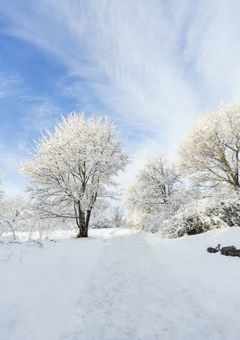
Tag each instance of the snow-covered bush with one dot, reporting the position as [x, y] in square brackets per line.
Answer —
[110, 218]
[187, 222]
[226, 211]
[102, 223]
[203, 214]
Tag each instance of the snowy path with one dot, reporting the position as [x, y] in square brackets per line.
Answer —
[134, 286]
[123, 298]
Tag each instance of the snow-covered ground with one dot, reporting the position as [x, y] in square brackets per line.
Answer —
[119, 285]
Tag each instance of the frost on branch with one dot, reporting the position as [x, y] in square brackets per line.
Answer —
[154, 193]
[200, 214]
[73, 168]
[13, 215]
[210, 151]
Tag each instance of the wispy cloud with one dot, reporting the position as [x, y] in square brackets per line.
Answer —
[41, 115]
[40, 111]
[10, 158]
[10, 85]
[155, 65]
[34, 114]
[126, 50]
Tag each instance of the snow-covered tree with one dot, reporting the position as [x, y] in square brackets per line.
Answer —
[13, 215]
[118, 218]
[210, 150]
[155, 184]
[1, 189]
[111, 217]
[73, 167]
[154, 189]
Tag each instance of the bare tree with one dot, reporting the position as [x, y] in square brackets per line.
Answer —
[13, 214]
[118, 218]
[73, 167]
[210, 150]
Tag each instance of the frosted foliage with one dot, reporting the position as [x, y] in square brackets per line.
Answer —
[13, 215]
[210, 151]
[204, 213]
[154, 195]
[73, 167]
[155, 187]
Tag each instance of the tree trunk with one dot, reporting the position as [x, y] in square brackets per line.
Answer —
[80, 221]
[88, 217]
[12, 229]
[82, 225]
[83, 231]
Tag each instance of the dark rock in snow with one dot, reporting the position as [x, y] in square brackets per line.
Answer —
[214, 250]
[226, 251]
[230, 251]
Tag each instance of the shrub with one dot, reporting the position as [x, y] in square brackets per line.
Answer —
[202, 215]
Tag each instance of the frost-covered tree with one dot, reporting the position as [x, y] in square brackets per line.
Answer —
[111, 217]
[1, 190]
[118, 219]
[210, 150]
[13, 215]
[74, 166]
[154, 188]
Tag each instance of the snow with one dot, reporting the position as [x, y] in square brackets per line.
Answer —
[118, 285]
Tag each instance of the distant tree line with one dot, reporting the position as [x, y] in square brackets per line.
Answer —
[201, 191]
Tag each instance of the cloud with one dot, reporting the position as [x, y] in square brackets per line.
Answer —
[13, 183]
[213, 47]
[41, 115]
[9, 85]
[154, 65]
[35, 115]
[125, 50]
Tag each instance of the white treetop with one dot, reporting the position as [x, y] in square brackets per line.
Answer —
[210, 151]
[73, 167]
[154, 188]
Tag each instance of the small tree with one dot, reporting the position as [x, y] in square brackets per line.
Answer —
[73, 167]
[118, 218]
[154, 188]
[13, 214]
[210, 151]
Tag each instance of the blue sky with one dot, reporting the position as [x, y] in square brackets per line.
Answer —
[152, 65]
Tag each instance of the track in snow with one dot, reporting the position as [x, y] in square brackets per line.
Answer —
[132, 287]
